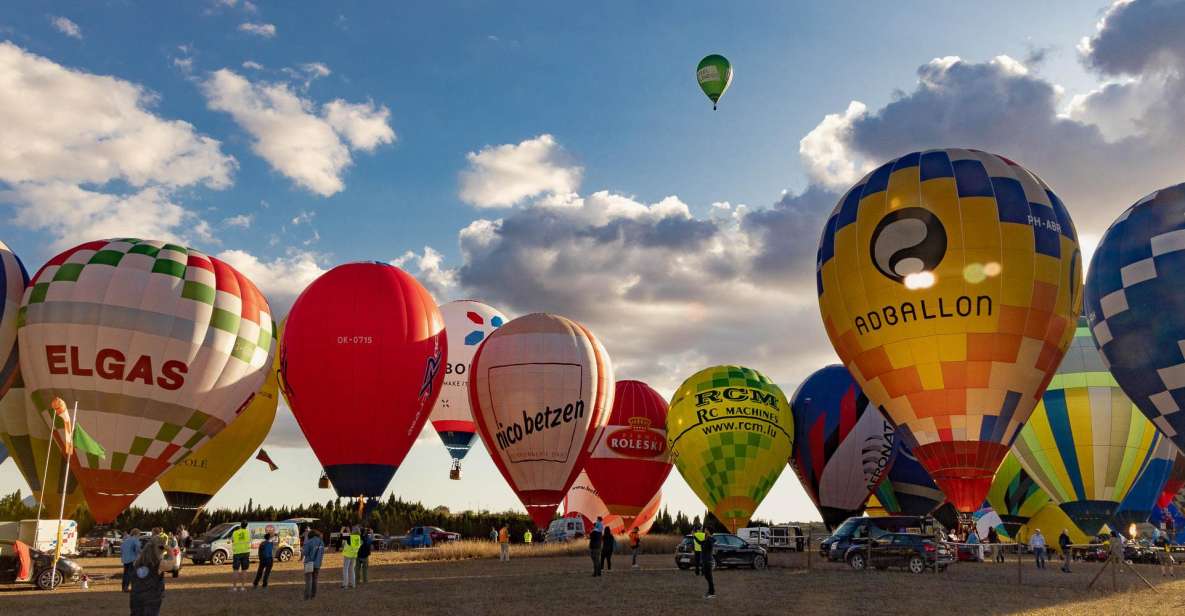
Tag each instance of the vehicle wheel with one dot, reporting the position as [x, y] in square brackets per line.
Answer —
[218, 558]
[285, 555]
[759, 562]
[49, 579]
[917, 565]
[856, 561]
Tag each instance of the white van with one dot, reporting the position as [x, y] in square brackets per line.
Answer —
[564, 530]
[215, 546]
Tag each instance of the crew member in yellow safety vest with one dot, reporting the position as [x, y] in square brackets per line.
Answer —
[240, 541]
[527, 537]
[350, 547]
[697, 539]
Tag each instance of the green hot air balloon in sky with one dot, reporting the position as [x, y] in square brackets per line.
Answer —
[714, 74]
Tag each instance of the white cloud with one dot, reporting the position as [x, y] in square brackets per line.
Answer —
[252, 65]
[239, 221]
[280, 279]
[67, 27]
[506, 175]
[264, 30]
[429, 269]
[303, 218]
[290, 135]
[825, 152]
[307, 73]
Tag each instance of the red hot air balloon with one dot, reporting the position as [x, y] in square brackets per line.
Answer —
[630, 463]
[541, 389]
[362, 360]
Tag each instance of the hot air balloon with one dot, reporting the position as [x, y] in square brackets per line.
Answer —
[1136, 307]
[541, 392]
[730, 431]
[1051, 519]
[1086, 443]
[949, 282]
[583, 501]
[1162, 514]
[874, 509]
[3, 452]
[13, 279]
[362, 361]
[191, 484]
[1175, 481]
[27, 438]
[159, 345]
[630, 463]
[843, 446]
[1014, 495]
[1138, 503]
[714, 75]
[468, 323]
[985, 520]
[908, 489]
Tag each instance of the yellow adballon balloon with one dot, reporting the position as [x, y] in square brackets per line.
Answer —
[730, 433]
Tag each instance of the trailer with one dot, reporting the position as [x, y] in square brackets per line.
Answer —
[781, 537]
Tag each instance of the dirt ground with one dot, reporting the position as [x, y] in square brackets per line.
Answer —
[563, 585]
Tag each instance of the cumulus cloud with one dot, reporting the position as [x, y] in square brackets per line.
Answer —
[292, 136]
[428, 267]
[506, 175]
[67, 27]
[84, 156]
[264, 30]
[280, 279]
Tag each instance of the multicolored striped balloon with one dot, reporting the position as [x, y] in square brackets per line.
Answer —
[13, 279]
[1015, 496]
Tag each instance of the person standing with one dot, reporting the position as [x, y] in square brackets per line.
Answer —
[493, 534]
[1163, 547]
[1037, 544]
[311, 554]
[504, 544]
[240, 541]
[362, 570]
[148, 583]
[1063, 544]
[594, 550]
[706, 544]
[267, 552]
[608, 544]
[527, 537]
[697, 542]
[635, 547]
[993, 539]
[129, 550]
[183, 537]
[350, 545]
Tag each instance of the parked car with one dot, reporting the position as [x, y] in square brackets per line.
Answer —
[857, 530]
[428, 536]
[43, 574]
[913, 551]
[728, 551]
[100, 541]
[215, 545]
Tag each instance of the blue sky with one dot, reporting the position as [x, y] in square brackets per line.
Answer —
[595, 110]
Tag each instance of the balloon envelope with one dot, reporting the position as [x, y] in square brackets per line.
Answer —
[159, 345]
[583, 501]
[468, 323]
[362, 361]
[1014, 495]
[541, 392]
[1175, 481]
[28, 440]
[730, 432]
[714, 75]
[908, 489]
[843, 446]
[1139, 502]
[1051, 520]
[949, 282]
[631, 462]
[13, 279]
[1135, 299]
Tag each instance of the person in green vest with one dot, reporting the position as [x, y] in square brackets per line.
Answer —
[240, 541]
[697, 541]
[527, 537]
[350, 547]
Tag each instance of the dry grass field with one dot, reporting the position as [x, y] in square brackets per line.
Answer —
[556, 580]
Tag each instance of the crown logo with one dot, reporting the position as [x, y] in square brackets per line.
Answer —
[640, 423]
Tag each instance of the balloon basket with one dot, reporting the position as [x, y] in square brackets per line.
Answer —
[454, 473]
[323, 482]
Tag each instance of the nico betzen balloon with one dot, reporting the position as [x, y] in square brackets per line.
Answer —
[159, 345]
[362, 361]
[949, 283]
[468, 323]
[541, 391]
[843, 445]
[13, 279]
[630, 462]
[1135, 300]
[195, 480]
[730, 432]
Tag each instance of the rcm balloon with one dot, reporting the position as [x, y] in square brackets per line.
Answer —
[541, 392]
[13, 279]
[1086, 443]
[1139, 502]
[843, 445]
[191, 484]
[159, 345]
[949, 282]
[731, 432]
[27, 437]
[362, 361]
[468, 323]
[714, 75]
[630, 464]
[1135, 299]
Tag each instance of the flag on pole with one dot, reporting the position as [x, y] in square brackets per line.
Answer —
[263, 457]
[73, 436]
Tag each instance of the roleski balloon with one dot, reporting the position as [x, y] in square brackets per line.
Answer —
[730, 431]
[13, 279]
[541, 392]
[843, 446]
[468, 323]
[714, 75]
[362, 361]
[1086, 442]
[1014, 495]
[195, 480]
[630, 463]
[28, 440]
[908, 489]
[1135, 299]
[1139, 502]
[159, 345]
[949, 282]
